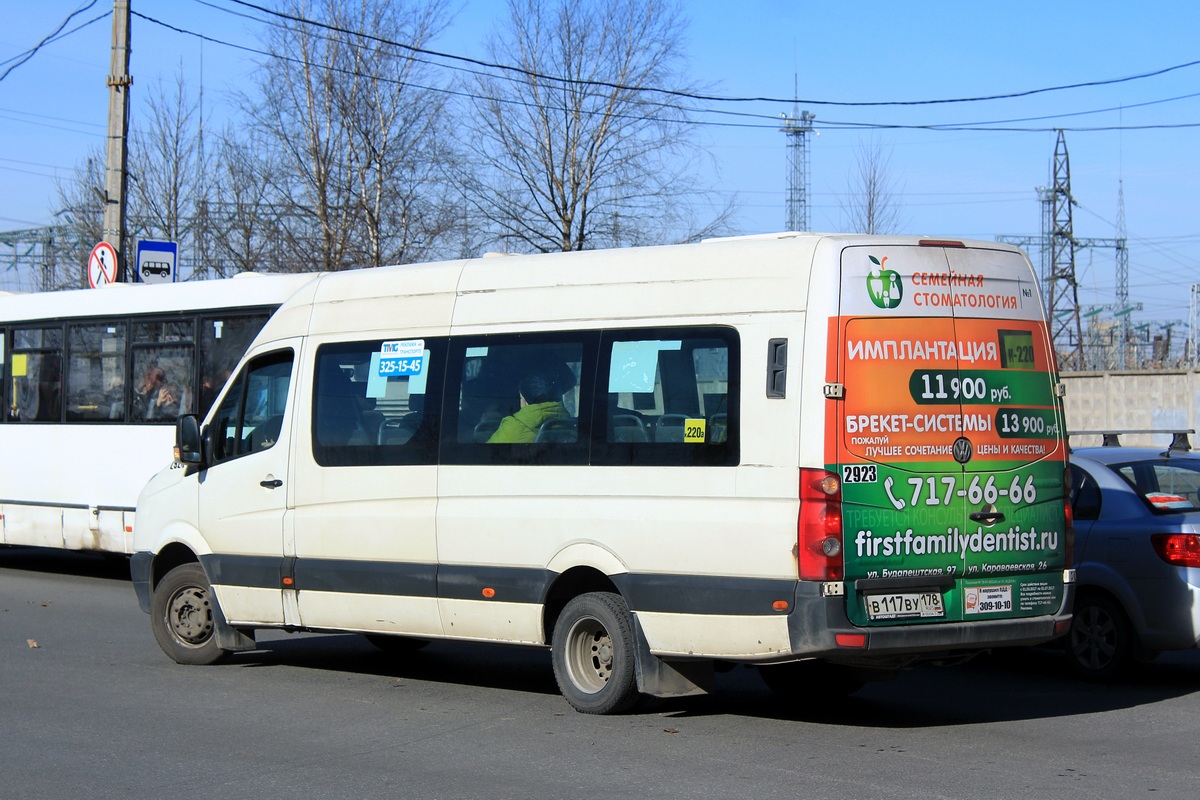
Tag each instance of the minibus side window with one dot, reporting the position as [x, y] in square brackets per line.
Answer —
[377, 402]
[250, 417]
[520, 398]
[669, 397]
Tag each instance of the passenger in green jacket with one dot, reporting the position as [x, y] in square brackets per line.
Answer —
[541, 400]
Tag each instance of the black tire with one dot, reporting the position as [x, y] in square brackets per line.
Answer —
[593, 654]
[183, 617]
[396, 645]
[810, 681]
[1100, 645]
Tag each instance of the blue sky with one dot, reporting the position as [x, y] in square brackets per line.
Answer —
[956, 183]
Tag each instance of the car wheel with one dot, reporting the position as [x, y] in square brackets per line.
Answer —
[592, 653]
[1100, 644]
[182, 616]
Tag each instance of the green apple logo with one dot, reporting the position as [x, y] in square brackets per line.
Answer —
[884, 285]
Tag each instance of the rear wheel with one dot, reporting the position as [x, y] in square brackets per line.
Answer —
[593, 654]
[1100, 644]
[182, 616]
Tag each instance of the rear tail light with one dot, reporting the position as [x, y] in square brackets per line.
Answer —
[1068, 521]
[819, 529]
[1177, 549]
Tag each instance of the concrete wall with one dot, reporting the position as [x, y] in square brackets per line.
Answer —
[1132, 401]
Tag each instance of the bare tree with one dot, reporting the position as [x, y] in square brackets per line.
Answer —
[298, 111]
[241, 214]
[574, 148]
[167, 162]
[398, 139]
[356, 136]
[81, 210]
[871, 205]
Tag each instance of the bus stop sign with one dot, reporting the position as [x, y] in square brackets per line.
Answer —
[156, 261]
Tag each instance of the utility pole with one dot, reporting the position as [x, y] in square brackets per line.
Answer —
[115, 185]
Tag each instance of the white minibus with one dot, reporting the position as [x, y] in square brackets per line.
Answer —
[830, 456]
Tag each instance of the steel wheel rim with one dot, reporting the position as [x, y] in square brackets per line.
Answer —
[1093, 638]
[589, 655]
[189, 615]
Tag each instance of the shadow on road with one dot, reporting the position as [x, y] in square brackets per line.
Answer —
[111, 566]
[1004, 686]
[492, 666]
[1008, 685]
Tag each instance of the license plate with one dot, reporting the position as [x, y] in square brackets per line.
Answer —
[905, 605]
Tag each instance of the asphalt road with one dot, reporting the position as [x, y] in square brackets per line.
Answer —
[91, 708]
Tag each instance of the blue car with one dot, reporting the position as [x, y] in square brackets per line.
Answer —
[1137, 555]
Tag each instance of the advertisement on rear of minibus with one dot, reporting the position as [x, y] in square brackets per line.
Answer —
[948, 440]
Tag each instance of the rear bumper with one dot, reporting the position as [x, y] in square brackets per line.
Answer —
[819, 628]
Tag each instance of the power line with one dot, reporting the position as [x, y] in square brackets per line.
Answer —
[21, 58]
[770, 122]
[716, 98]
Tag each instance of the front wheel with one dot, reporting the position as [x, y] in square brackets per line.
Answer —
[593, 654]
[182, 616]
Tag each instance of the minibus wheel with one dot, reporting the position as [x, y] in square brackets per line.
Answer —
[593, 654]
[182, 616]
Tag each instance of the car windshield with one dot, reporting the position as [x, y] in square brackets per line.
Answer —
[1167, 486]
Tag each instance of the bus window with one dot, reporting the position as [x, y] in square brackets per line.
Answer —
[96, 372]
[163, 370]
[223, 340]
[36, 372]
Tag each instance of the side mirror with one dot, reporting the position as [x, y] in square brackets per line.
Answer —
[189, 448]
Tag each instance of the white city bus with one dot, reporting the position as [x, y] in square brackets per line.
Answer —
[92, 383]
[830, 456]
